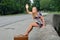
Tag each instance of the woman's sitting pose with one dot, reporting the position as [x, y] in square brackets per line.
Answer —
[37, 17]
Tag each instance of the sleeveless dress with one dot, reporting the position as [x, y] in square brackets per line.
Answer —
[38, 20]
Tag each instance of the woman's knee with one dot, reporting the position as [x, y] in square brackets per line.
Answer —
[33, 24]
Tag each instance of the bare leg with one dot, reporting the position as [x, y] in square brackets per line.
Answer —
[30, 28]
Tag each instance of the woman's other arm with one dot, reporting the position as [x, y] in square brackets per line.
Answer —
[43, 21]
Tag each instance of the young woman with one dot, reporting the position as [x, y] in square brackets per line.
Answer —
[38, 18]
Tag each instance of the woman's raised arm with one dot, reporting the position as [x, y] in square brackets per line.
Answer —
[27, 6]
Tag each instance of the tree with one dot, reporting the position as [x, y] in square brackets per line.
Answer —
[50, 5]
[56, 4]
[36, 3]
[45, 4]
[23, 3]
[12, 6]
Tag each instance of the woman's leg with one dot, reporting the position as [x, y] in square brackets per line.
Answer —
[34, 24]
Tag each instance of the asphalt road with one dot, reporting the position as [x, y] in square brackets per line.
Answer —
[7, 20]
[15, 25]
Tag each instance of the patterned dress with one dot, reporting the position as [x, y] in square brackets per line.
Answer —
[38, 20]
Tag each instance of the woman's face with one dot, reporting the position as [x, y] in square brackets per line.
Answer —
[34, 10]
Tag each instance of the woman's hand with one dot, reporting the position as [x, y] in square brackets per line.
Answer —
[43, 21]
[27, 6]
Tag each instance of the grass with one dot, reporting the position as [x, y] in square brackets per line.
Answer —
[14, 14]
[54, 12]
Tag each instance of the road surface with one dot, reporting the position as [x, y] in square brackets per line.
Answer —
[15, 25]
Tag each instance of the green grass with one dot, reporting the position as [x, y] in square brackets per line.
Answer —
[14, 14]
[54, 12]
